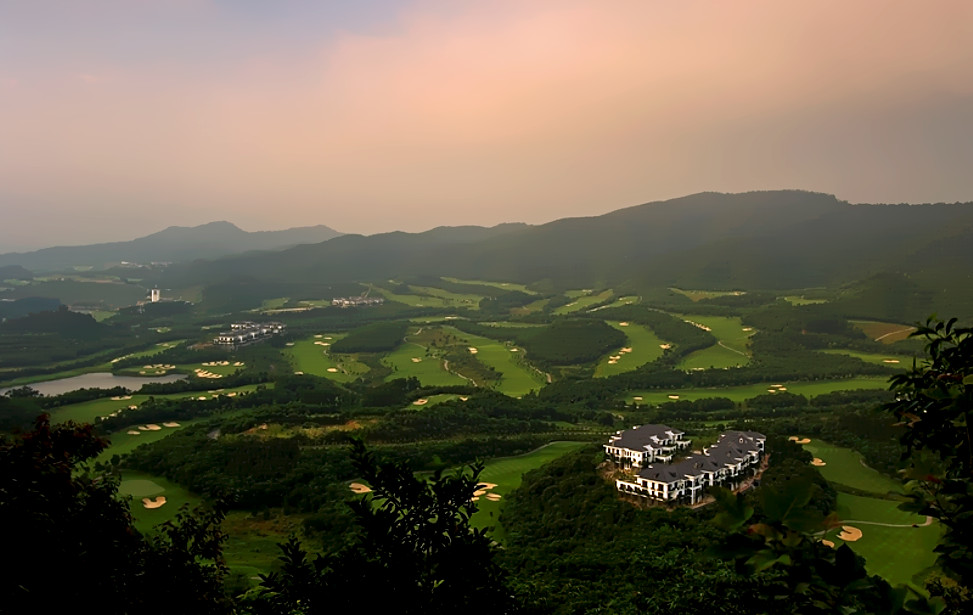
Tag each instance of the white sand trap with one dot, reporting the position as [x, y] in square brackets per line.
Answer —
[817, 461]
[828, 543]
[473, 350]
[637, 398]
[474, 498]
[150, 503]
[665, 346]
[462, 398]
[771, 390]
[480, 492]
[201, 398]
[804, 441]
[133, 432]
[360, 488]
[319, 336]
[153, 427]
[615, 357]
[328, 337]
[333, 370]
[416, 360]
[144, 428]
[141, 372]
[776, 386]
[850, 533]
[231, 394]
[890, 360]
[673, 397]
[612, 362]
[626, 350]
[487, 486]
[170, 424]
[289, 344]
[782, 389]
[238, 364]
[493, 497]
[623, 324]
[515, 350]
[793, 438]
[420, 402]
[130, 408]
[298, 373]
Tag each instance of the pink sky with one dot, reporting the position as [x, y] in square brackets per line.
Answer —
[120, 118]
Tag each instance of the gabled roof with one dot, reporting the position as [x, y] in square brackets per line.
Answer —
[644, 436]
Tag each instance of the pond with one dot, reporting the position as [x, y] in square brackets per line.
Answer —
[97, 380]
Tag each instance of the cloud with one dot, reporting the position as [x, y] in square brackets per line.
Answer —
[484, 112]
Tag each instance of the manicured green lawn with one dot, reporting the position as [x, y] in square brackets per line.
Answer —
[887, 360]
[89, 411]
[312, 356]
[844, 466]
[517, 379]
[802, 300]
[885, 332]
[414, 300]
[645, 345]
[582, 301]
[464, 300]
[503, 285]
[740, 393]
[732, 347]
[428, 369]
[507, 473]
[140, 485]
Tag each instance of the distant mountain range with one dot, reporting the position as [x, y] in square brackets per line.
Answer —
[769, 240]
[174, 244]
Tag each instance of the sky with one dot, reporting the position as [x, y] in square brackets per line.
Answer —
[119, 118]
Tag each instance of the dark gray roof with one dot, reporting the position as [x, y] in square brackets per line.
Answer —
[644, 435]
[732, 447]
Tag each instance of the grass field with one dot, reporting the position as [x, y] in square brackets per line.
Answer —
[696, 295]
[645, 345]
[582, 301]
[740, 393]
[885, 332]
[620, 302]
[845, 466]
[897, 554]
[89, 411]
[888, 360]
[312, 357]
[802, 300]
[507, 473]
[503, 285]
[517, 379]
[413, 300]
[731, 349]
[466, 300]
[429, 369]
[140, 485]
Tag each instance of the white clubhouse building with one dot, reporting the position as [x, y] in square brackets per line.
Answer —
[649, 449]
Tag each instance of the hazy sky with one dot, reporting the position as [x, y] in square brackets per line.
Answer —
[121, 117]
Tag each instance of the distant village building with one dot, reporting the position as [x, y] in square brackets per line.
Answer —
[247, 332]
[155, 295]
[650, 448]
[357, 301]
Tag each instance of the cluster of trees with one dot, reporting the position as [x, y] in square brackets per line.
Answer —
[376, 337]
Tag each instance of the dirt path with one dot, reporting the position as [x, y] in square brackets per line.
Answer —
[742, 354]
[925, 523]
[881, 337]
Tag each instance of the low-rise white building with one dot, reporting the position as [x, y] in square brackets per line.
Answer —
[645, 444]
[247, 332]
[726, 463]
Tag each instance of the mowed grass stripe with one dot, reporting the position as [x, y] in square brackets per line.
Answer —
[845, 466]
[583, 302]
[507, 473]
[516, 378]
[731, 350]
[429, 369]
[743, 392]
[645, 345]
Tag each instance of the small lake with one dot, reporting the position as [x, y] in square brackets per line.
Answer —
[97, 380]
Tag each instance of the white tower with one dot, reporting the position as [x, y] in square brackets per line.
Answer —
[155, 295]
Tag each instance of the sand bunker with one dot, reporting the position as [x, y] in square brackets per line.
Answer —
[416, 360]
[152, 427]
[625, 350]
[623, 324]
[231, 394]
[150, 503]
[493, 497]
[319, 336]
[360, 488]
[462, 398]
[289, 344]
[328, 337]
[480, 492]
[828, 543]
[673, 397]
[793, 438]
[333, 370]
[804, 441]
[890, 360]
[170, 424]
[817, 461]
[420, 402]
[515, 350]
[612, 361]
[850, 533]
[665, 346]
[487, 486]
[121, 397]
[298, 373]
[637, 398]
[473, 350]
[133, 432]
[748, 328]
